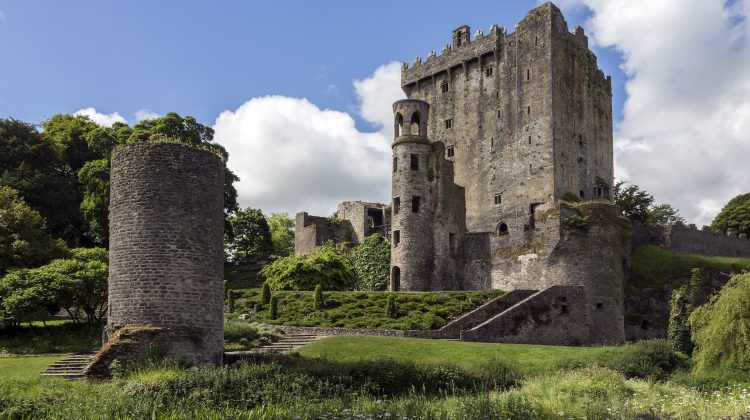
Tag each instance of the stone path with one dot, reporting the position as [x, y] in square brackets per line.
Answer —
[71, 367]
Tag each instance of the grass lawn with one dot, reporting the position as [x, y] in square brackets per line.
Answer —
[415, 310]
[655, 265]
[25, 367]
[529, 359]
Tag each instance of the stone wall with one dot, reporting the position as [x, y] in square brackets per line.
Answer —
[556, 315]
[682, 239]
[166, 245]
[311, 232]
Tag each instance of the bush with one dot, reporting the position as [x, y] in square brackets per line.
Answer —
[326, 267]
[265, 294]
[648, 359]
[273, 311]
[230, 300]
[571, 198]
[721, 328]
[390, 306]
[678, 332]
[577, 222]
[247, 335]
[318, 301]
[372, 261]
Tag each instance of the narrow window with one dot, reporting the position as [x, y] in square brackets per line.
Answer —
[528, 75]
[396, 237]
[396, 277]
[396, 204]
[488, 71]
[564, 310]
[395, 164]
[450, 151]
[492, 142]
[498, 199]
[449, 123]
[415, 203]
[444, 87]
[599, 305]
[499, 114]
[414, 164]
[529, 167]
[536, 41]
[599, 191]
[580, 193]
[528, 110]
[529, 139]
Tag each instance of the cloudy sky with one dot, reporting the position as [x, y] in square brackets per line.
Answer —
[300, 92]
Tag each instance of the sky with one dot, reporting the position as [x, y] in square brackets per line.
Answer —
[300, 92]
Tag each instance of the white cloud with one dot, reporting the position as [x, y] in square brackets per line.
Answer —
[99, 118]
[145, 114]
[293, 156]
[685, 135]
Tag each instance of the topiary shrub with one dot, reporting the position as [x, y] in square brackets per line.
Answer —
[318, 301]
[273, 312]
[265, 294]
[327, 267]
[721, 328]
[230, 300]
[390, 306]
[372, 261]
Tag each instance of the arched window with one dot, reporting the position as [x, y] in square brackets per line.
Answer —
[396, 279]
[502, 229]
[399, 129]
[415, 124]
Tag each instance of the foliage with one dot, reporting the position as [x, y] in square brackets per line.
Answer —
[273, 311]
[230, 300]
[244, 275]
[571, 198]
[251, 240]
[649, 359]
[326, 267]
[678, 332]
[390, 307]
[23, 240]
[318, 301]
[577, 222]
[721, 328]
[429, 310]
[94, 180]
[734, 216]
[241, 335]
[371, 260]
[265, 294]
[282, 233]
[226, 289]
[55, 337]
[640, 206]
[25, 297]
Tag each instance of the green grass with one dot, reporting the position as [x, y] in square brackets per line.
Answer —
[423, 311]
[530, 359]
[655, 265]
[24, 368]
[65, 337]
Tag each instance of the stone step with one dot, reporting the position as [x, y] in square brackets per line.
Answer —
[72, 367]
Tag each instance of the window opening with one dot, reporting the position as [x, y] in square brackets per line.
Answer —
[502, 229]
[498, 199]
[415, 203]
[396, 278]
[450, 151]
[396, 237]
[444, 87]
[414, 164]
[449, 123]
[396, 204]
[395, 164]
[488, 71]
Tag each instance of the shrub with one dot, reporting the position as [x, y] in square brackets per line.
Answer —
[648, 359]
[273, 311]
[577, 222]
[721, 328]
[230, 300]
[318, 301]
[326, 267]
[390, 306]
[571, 198]
[678, 332]
[265, 294]
[372, 261]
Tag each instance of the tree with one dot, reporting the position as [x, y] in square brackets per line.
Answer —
[721, 328]
[372, 262]
[326, 267]
[632, 201]
[251, 239]
[282, 233]
[94, 180]
[318, 301]
[265, 295]
[735, 216]
[33, 165]
[23, 241]
[663, 215]
[25, 297]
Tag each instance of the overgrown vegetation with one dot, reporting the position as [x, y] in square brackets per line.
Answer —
[656, 265]
[326, 267]
[242, 335]
[371, 261]
[429, 310]
[735, 216]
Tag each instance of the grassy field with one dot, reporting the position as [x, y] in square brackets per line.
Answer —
[415, 310]
[25, 368]
[654, 265]
[62, 337]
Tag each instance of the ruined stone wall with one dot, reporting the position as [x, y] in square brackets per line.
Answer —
[682, 239]
[311, 232]
[358, 215]
[166, 246]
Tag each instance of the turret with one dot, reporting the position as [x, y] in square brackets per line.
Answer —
[412, 239]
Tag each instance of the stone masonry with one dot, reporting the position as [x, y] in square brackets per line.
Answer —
[166, 248]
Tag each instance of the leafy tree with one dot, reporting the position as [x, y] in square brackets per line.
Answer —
[663, 215]
[70, 134]
[632, 201]
[372, 261]
[23, 241]
[34, 166]
[79, 283]
[25, 296]
[325, 267]
[251, 236]
[735, 216]
[721, 328]
[94, 180]
[282, 233]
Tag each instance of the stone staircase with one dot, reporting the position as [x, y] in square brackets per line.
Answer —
[71, 367]
[288, 344]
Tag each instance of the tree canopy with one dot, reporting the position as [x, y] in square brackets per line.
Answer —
[250, 239]
[282, 233]
[639, 205]
[735, 216]
[326, 267]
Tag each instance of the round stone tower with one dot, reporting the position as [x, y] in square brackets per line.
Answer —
[166, 249]
[412, 214]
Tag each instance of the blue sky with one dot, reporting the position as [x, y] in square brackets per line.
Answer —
[200, 58]
[300, 92]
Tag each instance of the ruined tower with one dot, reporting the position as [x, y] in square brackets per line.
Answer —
[166, 251]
